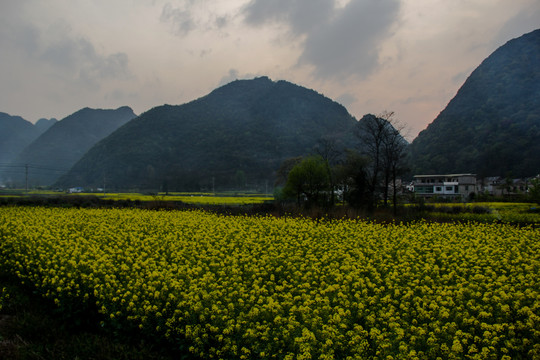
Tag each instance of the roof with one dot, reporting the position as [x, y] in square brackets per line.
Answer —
[443, 175]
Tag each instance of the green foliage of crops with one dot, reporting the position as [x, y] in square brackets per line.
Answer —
[284, 288]
[522, 213]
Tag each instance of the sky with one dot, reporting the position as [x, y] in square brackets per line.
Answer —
[372, 56]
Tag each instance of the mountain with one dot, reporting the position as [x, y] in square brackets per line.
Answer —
[15, 134]
[492, 125]
[44, 124]
[66, 141]
[239, 133]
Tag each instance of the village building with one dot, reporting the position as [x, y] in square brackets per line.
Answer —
[500, 186]
[450, 186]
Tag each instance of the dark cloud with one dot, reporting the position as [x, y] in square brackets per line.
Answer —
[349, 44]
[63, 55]
[77, 60]
[180, 18]
[301, 15]
[339, 41]
[16, 34]
[221, 21]
[187, 17]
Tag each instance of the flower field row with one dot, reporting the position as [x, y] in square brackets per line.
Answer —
[520, 213]
[188, 198]
[195, 198]
[283, 288]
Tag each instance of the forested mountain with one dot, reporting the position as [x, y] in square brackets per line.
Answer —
[15, 134]
[66, 141]
[239, 133]
[492, 125]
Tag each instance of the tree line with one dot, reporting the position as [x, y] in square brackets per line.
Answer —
[362, 177]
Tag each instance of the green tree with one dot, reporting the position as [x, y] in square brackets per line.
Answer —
[534, 190]
[308, 181]
[285, 169]
[353, 179]
[327, 148]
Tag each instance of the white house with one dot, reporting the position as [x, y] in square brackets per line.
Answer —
[445, 186]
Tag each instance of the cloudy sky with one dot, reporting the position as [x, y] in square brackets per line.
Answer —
[406, 56]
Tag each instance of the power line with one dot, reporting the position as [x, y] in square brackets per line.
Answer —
[31, 166]
[15, 169]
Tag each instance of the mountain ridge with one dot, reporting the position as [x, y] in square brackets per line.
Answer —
[492, 125]
[63, 143]
[15, 134]
[244, 129]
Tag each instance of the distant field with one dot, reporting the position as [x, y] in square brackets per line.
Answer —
[189, 198]
[196, 198]
[484, 212]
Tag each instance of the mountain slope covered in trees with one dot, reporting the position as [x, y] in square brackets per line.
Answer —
[239, 133]
[66, 141]
[492, 126]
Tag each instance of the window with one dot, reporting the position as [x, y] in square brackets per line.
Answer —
[438, 188]
[424, 189]
[449, 188]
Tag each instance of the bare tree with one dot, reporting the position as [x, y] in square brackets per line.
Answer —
[395, 147]
[371, 131]
[383, 144]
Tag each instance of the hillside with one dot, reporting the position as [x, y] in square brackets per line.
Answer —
[15, 134]
[492, 126]
[239, 133]
[66, 141]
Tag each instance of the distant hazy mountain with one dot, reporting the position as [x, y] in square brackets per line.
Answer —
[238, 133]
[15, 134]
[66, 141]
[492, 125]
[44, 124]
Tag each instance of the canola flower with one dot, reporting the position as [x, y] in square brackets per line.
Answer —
[4, 297]
[284, 288]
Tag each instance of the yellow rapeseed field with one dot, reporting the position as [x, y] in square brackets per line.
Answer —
[283, 288]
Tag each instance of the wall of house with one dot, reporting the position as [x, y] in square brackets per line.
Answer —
[445, 185]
